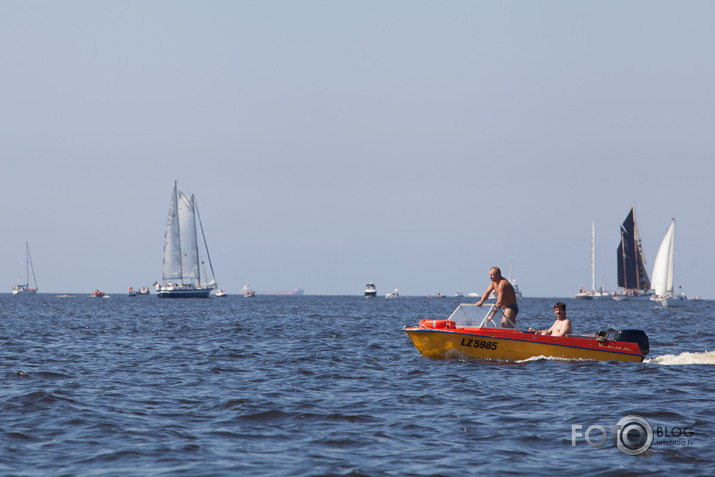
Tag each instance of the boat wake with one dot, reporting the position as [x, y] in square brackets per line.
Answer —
[707, 357]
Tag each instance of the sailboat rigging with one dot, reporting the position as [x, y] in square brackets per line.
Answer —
[25, 288]
[182, 266]
[633, 278]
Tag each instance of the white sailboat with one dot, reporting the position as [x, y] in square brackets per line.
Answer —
[588, 294]
[592, 293]
[182, 273]
[663, 269]
[25, 288]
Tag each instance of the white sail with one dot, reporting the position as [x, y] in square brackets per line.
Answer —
[181, 269]
[662, 280]
[171, 268]
[187, 236]
[593, 261]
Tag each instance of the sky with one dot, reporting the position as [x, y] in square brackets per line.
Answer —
[413, 144]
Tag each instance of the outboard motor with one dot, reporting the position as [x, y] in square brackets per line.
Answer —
[634, 336]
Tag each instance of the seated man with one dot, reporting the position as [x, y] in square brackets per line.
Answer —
[562, 325]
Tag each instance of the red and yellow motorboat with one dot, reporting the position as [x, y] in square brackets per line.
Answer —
[463, 335]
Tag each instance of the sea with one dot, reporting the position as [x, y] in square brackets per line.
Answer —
[332, 386]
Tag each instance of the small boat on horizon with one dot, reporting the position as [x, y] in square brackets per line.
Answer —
[221, 294]
[370, 290]
[393, 294]
[247, 291]
[464, 335]
[131, 292]
[98, 294]
[25, 288]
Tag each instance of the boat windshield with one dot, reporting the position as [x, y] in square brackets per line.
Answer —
[471, 315]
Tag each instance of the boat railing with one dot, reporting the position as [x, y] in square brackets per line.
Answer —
[470, 315]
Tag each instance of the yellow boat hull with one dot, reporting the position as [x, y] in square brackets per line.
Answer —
[480, 343]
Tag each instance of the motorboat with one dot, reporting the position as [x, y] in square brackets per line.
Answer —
[247, 291]
[370, 290]
[393, 294]
[221, 294]
[465, 335]
[131, 292]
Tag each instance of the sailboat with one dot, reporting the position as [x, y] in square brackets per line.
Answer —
[588, 294]
[25, 288]
[592, 293]
[182, 275]
[633, 281]
[663, 272]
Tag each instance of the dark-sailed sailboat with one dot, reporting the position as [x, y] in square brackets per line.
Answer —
[633, 281]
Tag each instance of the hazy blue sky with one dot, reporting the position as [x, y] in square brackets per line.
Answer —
[331, 143]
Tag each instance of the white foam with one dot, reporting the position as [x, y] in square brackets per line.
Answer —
[707, 357]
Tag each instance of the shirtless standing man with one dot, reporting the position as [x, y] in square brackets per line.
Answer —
[562, 325]
[506, 297]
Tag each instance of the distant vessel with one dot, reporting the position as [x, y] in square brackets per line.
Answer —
[370, 290]
[517, 292]
[98, 294]
[297, 291]
[663, 272]
[143, 291]
[633, 278]
[25, 288]
[181, 272]
[393, 294]
[247, 292]
[221, 294]
[591, 293]
[131, 292]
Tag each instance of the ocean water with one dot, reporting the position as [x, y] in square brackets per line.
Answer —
[332, 385]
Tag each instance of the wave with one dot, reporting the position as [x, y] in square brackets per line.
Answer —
[707, 357]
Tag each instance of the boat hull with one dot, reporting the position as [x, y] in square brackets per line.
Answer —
[673, 302]
[513, 345]
[184, 293]
[24, 291]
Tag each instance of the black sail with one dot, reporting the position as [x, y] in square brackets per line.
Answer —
[632, 274]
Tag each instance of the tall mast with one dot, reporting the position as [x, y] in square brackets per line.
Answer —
[27, 262]
[593, 271]
[196, 238]
[636, 249]
[178, 226]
